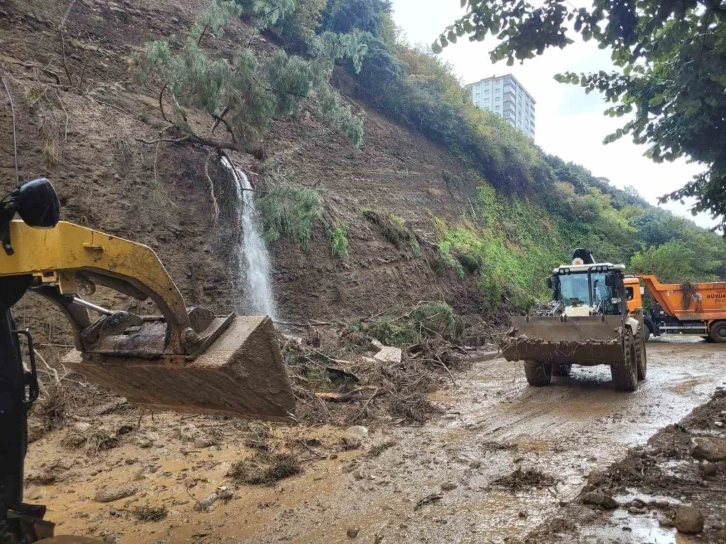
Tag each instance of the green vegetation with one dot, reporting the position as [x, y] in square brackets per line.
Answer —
[508, 241]
[531, 209]
[670, 81]
[338, 236]
[426, 320]
[674, 262]
[290, 209]
[513, 244]
[392, 227]
[244, 95]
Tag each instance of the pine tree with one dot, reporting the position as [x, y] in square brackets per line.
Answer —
[244, 95]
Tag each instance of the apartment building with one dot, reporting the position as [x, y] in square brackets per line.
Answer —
[505, 96]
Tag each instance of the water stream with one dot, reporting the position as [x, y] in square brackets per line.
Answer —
[253, 280]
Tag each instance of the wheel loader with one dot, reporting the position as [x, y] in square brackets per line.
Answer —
[182, 359]
[587, 323]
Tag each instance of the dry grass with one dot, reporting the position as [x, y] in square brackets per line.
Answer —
[92, 440]
[265, 468]
[53, 406]
[150, 513]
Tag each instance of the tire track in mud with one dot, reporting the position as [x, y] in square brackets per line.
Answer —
[494, 422]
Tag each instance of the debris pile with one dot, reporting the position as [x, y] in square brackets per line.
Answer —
[379, 368]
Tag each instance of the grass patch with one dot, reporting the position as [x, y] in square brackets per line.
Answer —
[338, 236]
[392, 227]
[291, 210]
[265, 468]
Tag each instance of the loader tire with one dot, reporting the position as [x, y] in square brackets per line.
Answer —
[563, 370]
[641, 358]
[538, 373]
[625, 374]
[718, 331]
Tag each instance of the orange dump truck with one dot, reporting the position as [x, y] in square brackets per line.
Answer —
[701, 312]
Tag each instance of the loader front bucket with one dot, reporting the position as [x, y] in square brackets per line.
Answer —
[587, 340]
[240, 372]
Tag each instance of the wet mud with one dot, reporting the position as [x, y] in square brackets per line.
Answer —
[445, 481]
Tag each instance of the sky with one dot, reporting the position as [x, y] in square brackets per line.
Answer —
[568, 122]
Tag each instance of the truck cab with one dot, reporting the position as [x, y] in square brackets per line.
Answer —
[634, 292]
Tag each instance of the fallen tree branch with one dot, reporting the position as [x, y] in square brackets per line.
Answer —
[448, 370]
[215, 206]
[65, 64]
[350, 395]
[365, 406]
[303, 325]
[161, 104]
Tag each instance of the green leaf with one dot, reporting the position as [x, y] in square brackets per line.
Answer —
[657, 100]
[719, 78]
[436, 47]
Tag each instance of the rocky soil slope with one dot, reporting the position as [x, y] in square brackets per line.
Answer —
[82, 121]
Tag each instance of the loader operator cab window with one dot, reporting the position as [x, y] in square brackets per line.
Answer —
[574, 290]
[602, 295]
[587, 289]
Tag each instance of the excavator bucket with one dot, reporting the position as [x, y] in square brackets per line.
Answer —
[238, 370]
[585, 340]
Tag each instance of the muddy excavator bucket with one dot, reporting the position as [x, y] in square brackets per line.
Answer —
[237, 371]
[586, 340]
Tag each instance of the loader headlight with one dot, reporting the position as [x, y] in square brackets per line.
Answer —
[37, 203]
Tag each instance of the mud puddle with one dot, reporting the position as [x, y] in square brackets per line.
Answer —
[501, 460]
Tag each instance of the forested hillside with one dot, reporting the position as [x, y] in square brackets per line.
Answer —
[526, 209]
[378, 183]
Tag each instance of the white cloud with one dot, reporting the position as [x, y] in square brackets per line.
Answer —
[569, 123]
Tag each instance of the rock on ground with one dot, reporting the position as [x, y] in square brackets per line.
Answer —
[600, 499]
[389, 355]
[709, 449]
[113, 493]
[689, 520]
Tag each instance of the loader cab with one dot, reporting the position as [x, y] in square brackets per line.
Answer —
[589, 289]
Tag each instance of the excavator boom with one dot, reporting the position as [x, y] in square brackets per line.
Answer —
[183, 360]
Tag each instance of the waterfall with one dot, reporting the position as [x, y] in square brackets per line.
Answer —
[253, 260]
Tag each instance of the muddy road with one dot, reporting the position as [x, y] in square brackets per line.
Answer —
[500, 460]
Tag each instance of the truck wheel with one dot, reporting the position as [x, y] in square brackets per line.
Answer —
[647, 332]
[625, 374]
[641, 358]
[563, 370]
[538, 373]
[718, 331]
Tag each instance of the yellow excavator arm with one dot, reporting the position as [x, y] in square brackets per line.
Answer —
[189, 360]
[69, 255]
